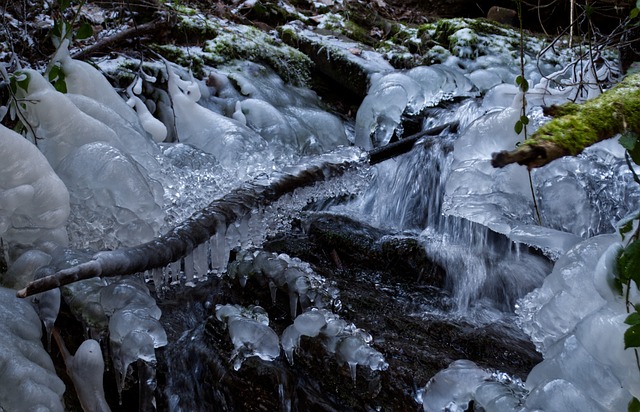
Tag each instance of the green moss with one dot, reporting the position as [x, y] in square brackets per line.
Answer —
[181, 57]
[254, 45]
[610, 113]
[358, 33]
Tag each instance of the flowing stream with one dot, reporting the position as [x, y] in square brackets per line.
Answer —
[346, 294]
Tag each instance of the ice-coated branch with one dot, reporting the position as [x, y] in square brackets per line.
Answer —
[579, 126]
[404, 145]
[182, 239]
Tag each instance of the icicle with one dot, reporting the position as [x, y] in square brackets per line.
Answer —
[189, 270]
[158, 276]
[219, 249]
[243, 230]
[201, 260]
[175, 272]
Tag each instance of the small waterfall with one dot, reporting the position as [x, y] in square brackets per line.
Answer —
[484, 268]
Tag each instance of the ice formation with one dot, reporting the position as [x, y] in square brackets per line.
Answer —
[124, 310]
[235, 146]
[82, 78]
[104, 181]
[29, 381]
[134, 327]
[250, 333]
[290, 118]
[150, 124]
[34, 202]
[86, 369]
[576, 319]
[317, 297]
[281, 272]
[394, 95]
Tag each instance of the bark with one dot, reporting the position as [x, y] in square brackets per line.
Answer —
[580, 126]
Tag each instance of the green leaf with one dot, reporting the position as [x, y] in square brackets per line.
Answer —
[634, 405]
[525, 85]
[54, 73]
[628, 140]
[519, 80]
[633, 319]
[22, 80]
[518, 127]
[632, 337]
[60, 85]
[625, 225]
[64, 4]
[524, 120]
[629, 263]
[84, 31]
[633, 14]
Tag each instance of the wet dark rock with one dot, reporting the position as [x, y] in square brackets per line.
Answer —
[382, 291]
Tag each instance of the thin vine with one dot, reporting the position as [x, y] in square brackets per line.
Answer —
[523, 121]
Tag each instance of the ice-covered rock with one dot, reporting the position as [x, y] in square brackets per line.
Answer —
[34, 202]
[104, 181]
[29, 381]
[576, 319]
[150, 124]
[83, 78]
[290, 118]
[396, 94]
[235, 146]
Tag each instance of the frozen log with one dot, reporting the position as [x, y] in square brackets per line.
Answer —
[184, 238]
[579, 126]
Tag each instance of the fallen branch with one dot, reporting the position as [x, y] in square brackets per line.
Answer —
[182, 239]
[126, 35]
[404, 145]
[579, 126]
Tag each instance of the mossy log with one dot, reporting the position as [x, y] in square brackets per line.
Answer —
[579, 126]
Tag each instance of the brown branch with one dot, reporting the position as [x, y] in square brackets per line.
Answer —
[106, 43]
[184, 238]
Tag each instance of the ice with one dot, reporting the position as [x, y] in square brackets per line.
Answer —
[102, 178]
[86, 369]
[34, 202]
[252, 338]
[133, 335]
[128, 293]
[561, 395]
[150, 124]
[567, 295]
[235, 146]
[250, 333]
[83, 78]
[453, 388]
[47, 305]
[309, 323]
[267, 121]
[28, 377]
[290, 118]
[572, 359]
[22, 270]
[104, 182]
[393, 95]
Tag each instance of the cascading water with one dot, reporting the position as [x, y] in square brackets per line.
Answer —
[475, 222]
